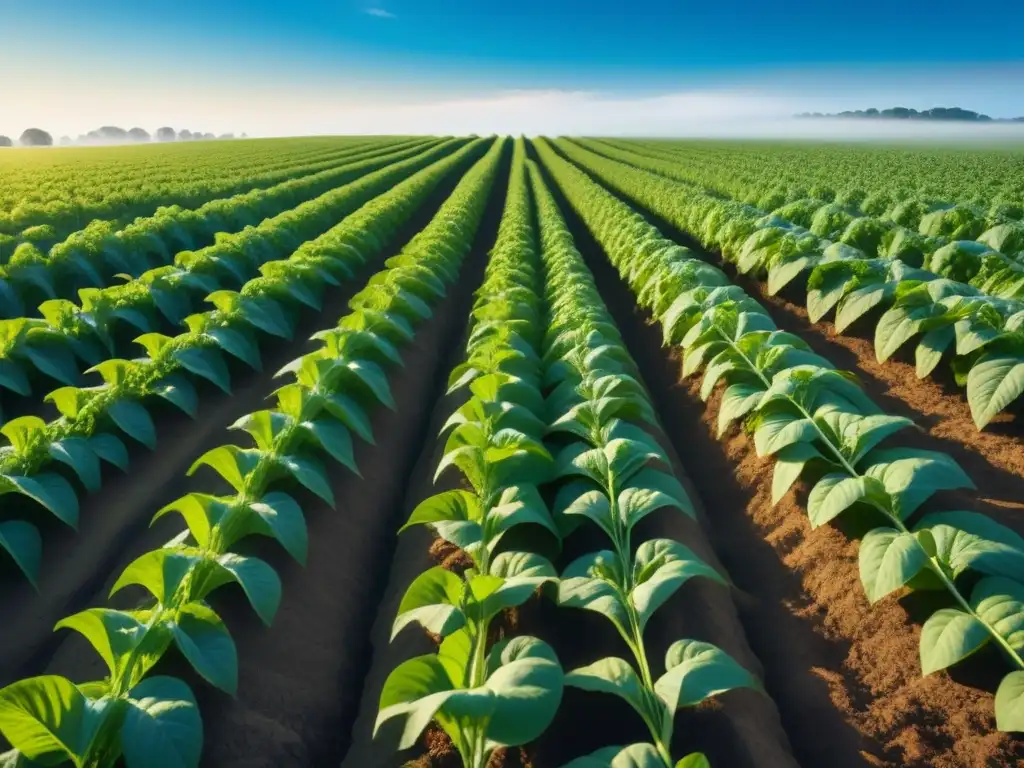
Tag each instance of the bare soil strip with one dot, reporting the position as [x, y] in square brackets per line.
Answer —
[79, 567]
[845, 675]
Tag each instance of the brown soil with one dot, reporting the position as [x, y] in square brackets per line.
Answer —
[845, 675]
[299, 679]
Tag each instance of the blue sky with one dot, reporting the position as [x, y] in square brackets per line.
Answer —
[206, 59]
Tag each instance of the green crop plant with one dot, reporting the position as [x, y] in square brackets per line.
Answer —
[506, 694]
[962, 291]
[51, 720]
[818, 424]
[613, 474]
[69, 333]
[80, 438]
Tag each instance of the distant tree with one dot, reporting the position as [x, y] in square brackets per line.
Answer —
[165, 134]
[110, 133]
[138, 134]
[185, 135]
[5, 141]
[245, 135]
[65, 141]
[208, 137]
[225, 136]
[36, 137]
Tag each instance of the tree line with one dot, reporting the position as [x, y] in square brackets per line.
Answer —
[111, 134]
[905, 113]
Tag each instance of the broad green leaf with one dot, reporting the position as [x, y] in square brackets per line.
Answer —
[282, 519]
[526, 680]
[179, 391]
[114, 634]
[993, 383]
[258, 580]
[132, 419]
[207, 363]
[661, 567]
[789, 464]
[334, 438]
[949, 636]
[1010, 702]
[972, 540]
[110, 449]
[911, 476]
[310, 473]
[22, 541]
[203, 639]
[929, 350]
[49, 489]
[999, 602]
[160, 571]
[76, 453]
[434, 600]
[230, 462]
[695, 671]
[633, 756]
[162, 726]
[47, 719]
[23, 431]
[835, 493]
[780, 429]
[417, 688]
[610, 675]
[888, 560]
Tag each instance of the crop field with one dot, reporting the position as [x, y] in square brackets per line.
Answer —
[505, 453]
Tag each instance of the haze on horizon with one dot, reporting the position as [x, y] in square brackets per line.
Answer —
[458, 66]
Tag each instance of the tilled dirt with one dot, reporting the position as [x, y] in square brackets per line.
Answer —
[844, 674]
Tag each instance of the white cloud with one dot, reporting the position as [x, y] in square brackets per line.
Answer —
[380, 13]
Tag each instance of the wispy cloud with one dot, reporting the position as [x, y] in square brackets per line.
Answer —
[380, 13]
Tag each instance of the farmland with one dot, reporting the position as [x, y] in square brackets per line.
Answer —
[447, 451]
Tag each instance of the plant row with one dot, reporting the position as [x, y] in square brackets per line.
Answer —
[963, 300]
[903, 183]
[92, 418]
[93, 255]
[44, 202]
[153, 720]
[820, 426]
[485, 694]
[611, 471]
[165, 296]
[553, 409]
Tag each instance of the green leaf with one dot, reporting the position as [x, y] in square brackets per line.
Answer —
[789, 464]
[334, 438]
[949, 636]
[203, 639]
[888, 560]
[999, 602]
[434, 601]
[779, 429]
[633, 756]
[911, 476]
[282, 519]
[970, 540]
[50, 490]
[162, 726]
[696, 671]
[694, 760]
[133, 420]
[610, 675]
[526, 680]
[993, 383]
[23, 543]
[310, 473]
[238, 344]
[351, 414]
[835, 493]
[47, 719]
[929, 350]
[110, 449]
[258, 580]
[76, 453]
[179, 391]
[230, 462]
[661, 567]
[23, 431]
[160, 571]
[114, 634]
[1010, 702]
[207, 363]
